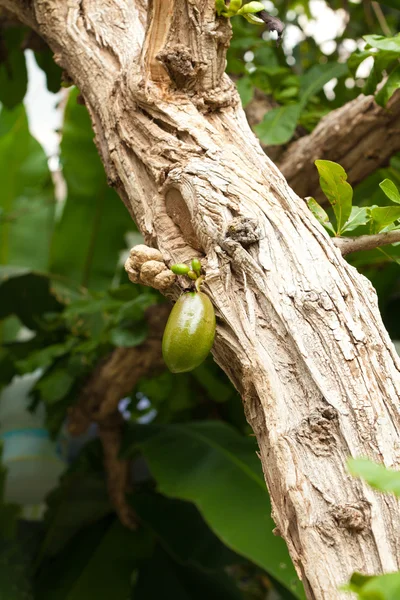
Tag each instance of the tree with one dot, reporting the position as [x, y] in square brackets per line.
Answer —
[299, 331]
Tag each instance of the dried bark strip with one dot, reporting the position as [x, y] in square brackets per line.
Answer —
[299, 330]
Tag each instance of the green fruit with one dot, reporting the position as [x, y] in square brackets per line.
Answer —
[189, 333]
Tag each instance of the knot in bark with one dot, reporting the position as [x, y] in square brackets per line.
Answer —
[146, 265]
[243, 230]
[318, 430]
[182, 68]
[355, 517]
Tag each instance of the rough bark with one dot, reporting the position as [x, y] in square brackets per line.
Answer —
[299, 330]
[361, 136]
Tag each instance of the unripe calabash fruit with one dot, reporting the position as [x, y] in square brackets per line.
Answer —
[189, 333]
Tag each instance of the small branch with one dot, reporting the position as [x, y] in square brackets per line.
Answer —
[347, 245]
[272, 23]
[381, 18]
[118, 471]
[24, 11]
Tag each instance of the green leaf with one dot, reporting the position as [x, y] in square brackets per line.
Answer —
[54, 385]
[13, 73]
[125, 292]
[357, 58]
[377, 476]
[390, 44]
[385, 52]
[392, 3]
[288, 93]
[382, 216]
[278, 125]
[91, 305]
[169, 394]
[374, 78]
[245, 89]
[319, 75]
[93, 215]
[161, 573]
[251, 8]
[80, 500]
[9, 513]
[320, 214]
[7, 367]
[45, 60]
[210, 379]
[391, 85]
[27, 198]
[135, 309]
[252, 19]
[26, 295]
[182, 531]
[97, 563]
[211, 465]
[128, 336]
[220, 6]
[14, 572]
[42, 359]
[234, 5]
[14, 584]
[391, 191]
[380, 587]
[333, 182]
[359, 216]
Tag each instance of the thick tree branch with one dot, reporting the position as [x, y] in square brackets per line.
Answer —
[299, 331]
[22, 9]
[361, 136]
[347, 245]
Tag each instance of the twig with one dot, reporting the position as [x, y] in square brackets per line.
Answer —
[347, 245]
[273, 23]
[381, 18]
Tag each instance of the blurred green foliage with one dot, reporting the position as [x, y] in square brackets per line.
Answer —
[66, 303]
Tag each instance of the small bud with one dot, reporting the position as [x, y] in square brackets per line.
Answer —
[180, 269]
[192, 275]
[196, 266]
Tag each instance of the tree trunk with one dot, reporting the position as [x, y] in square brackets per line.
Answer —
[299, 331]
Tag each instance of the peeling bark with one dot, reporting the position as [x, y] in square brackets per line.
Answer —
[299, 330]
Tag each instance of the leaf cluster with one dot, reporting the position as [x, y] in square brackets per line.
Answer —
[349, 218]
